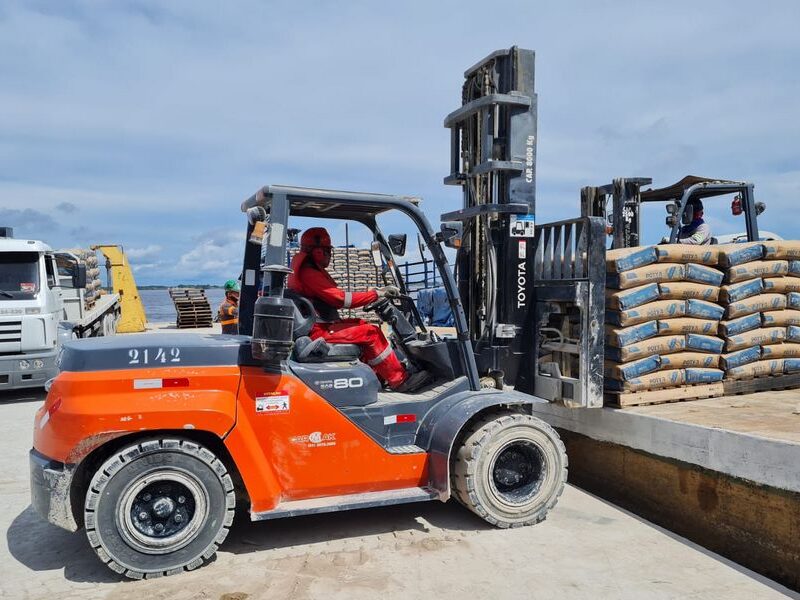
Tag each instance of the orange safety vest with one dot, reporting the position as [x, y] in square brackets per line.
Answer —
[228, 313]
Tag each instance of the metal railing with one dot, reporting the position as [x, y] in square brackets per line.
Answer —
[420, 275]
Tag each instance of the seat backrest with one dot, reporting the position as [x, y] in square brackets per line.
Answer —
[304, 314]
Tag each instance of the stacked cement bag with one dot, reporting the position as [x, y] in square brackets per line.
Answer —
[94, 286]
[756, 296]
[662, 317]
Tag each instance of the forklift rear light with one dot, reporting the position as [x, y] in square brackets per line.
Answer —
[176, 382]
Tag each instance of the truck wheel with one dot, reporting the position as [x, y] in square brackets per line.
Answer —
[510, 469]
[108, 326]
[159, 507]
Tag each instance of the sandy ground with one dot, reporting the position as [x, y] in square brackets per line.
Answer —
[586, 549]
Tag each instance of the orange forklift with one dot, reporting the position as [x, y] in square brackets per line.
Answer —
[152, 441]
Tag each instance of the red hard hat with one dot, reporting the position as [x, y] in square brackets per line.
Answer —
[315, 237]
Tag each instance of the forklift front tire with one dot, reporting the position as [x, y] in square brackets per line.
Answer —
[510, 469]
[159, 507]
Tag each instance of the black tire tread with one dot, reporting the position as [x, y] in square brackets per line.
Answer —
[474, 438]
[116, 461]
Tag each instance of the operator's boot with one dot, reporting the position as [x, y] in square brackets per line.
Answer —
[414, 381]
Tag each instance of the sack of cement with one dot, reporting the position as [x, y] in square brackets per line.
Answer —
[651, 311]
[740, 325]
[793, 333]
[695, 375]
[791, 365]
[683, 360]
[683, 290]
[731, 255]
[732, 360]
[704, 310]
[703, 274]
[625, 299]
[794, 268]
[652, 381]
[780, 318]
[759, 268]
[756, 369]
[649, 274]
[625, 259]
[687, 325]
[660, 345]
[781, 351]
[757, 337]
[760, 303]
[793, 300]
[782, 285]
[782, 250]
[733, 292]
[704, 343]
[630, 370]
[686, 253]
[620, 337]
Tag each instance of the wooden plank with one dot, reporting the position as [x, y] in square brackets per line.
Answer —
[676, 394]
[762, 384]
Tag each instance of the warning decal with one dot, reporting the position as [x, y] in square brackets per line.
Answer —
[272, 404]
[522, 226]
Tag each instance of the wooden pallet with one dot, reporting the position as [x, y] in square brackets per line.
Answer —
[192, 307]
[761, 383]
[676, 394]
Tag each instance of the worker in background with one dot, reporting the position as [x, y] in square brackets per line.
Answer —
[228, 314]
[310, 279]
[697, 232]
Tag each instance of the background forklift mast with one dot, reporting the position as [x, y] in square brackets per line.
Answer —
[626, 197]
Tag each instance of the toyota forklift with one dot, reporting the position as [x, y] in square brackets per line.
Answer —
[620, 203]
[151, 442]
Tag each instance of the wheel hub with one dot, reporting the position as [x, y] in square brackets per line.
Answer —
[517, 472]
[161, 512]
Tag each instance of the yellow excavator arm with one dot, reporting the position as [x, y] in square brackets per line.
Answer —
[133, 318]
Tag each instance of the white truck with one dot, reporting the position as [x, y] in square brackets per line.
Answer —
[44, 301]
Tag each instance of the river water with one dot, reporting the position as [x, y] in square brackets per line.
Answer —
[160, 309]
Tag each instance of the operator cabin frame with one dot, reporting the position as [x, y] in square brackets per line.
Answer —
[626, 197]
[264, 269]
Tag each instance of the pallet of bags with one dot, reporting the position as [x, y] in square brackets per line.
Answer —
[662, 322]
[754, 296]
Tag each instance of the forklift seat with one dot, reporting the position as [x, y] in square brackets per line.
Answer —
[307, 350]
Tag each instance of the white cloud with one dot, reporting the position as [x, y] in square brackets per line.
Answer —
[156, 119]
[146, 252]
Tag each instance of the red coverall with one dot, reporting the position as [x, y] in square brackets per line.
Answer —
[315, 283]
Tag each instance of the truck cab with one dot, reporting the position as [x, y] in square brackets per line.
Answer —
[30, 310]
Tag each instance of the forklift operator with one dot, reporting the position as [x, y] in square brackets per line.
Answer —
[697, 232]
[310, 279]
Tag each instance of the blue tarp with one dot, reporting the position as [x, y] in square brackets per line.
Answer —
[434, 308]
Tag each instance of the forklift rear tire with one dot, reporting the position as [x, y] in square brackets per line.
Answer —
[159, 507]
[510, 469]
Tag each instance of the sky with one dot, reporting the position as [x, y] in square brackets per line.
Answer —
[147, 123]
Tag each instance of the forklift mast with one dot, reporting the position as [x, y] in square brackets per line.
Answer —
[625, 197]
[493, 159]
[533, 295]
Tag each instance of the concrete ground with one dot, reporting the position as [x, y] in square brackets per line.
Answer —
[774, 415]
[587, 548]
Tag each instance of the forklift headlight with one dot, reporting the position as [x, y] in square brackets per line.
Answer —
[24, 365]
[38, 364]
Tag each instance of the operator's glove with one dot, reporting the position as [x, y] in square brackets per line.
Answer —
[388, 291]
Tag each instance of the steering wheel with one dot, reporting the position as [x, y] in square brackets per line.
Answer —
[377, 305]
